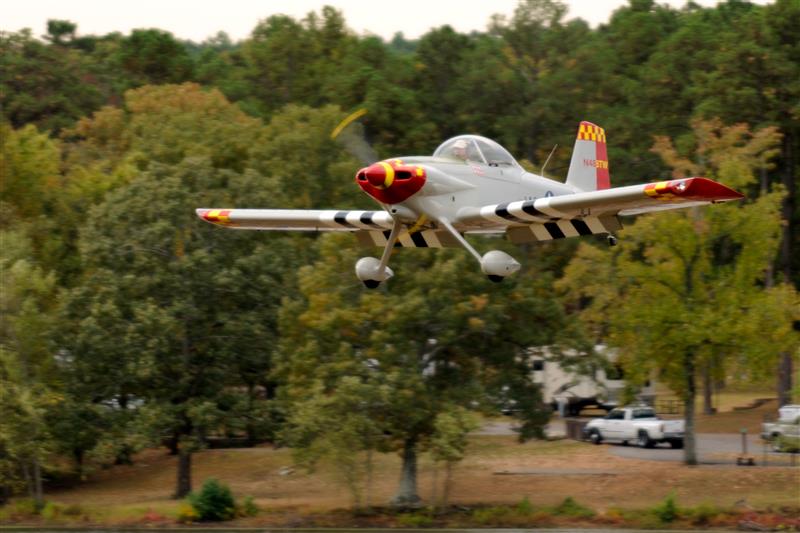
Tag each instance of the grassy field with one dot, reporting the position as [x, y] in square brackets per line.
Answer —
[498, 470]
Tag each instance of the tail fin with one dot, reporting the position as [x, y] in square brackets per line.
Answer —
[588, 170]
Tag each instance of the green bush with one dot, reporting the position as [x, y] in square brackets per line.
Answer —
[414, 520]
[667, 511]
[214, 502]
[703, 514]
[573, 509]
[248, 507]
[524, 507]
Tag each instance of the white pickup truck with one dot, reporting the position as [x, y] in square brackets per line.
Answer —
[785, 432]
[635, 424]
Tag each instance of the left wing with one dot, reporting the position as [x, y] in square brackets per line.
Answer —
[585, 213]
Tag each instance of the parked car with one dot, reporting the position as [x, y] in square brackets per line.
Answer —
[638, 425]
[784, 433]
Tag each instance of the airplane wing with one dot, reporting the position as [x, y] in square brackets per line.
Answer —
[297, 219]
[371, 228]
[590, 212]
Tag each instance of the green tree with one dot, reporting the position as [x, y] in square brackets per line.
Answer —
[181, 298]
[677, 296]
[437, 339]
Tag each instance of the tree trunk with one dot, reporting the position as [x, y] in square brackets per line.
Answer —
[407, 493]
[184, 481]
[785, 369]
[448, 481]
[708, 391]
[689, 445]
[77, 454]
[368, 492]
[38, 497]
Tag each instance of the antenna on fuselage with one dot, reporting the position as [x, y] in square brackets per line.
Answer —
[548, 159]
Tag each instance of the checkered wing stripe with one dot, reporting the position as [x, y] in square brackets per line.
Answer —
[417, 239]
[561, 229]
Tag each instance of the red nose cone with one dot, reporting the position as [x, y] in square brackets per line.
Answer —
[376, 175]
[391, 182]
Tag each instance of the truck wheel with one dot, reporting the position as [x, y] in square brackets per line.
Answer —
[676, 444]
[595, 437]
[776, 443]
[644, 440]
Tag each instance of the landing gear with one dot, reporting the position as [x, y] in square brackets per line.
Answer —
[372, 271]
[495, 264]
[612, 241]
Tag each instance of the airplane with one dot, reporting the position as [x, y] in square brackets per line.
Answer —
[472, 185]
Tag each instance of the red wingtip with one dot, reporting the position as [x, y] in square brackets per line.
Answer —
[707, 189]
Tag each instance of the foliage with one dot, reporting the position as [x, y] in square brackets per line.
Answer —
[397, 365]
[213, 502]
[667, 511]
[680, 296]
[569, 507]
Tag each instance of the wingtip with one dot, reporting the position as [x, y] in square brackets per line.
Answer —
[215, 216]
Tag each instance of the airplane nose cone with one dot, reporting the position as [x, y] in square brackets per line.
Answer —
[391, 181]
[379, 175]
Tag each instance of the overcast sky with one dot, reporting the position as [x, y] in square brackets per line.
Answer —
[199, 19]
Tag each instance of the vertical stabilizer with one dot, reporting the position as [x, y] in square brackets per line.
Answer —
[588, 170]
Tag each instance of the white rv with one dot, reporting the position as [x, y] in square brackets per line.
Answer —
[569, 391]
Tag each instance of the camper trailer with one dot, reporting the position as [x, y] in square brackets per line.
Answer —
[568, 389]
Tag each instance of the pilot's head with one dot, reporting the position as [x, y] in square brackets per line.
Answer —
[460, 149]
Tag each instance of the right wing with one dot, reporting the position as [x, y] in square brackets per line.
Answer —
[297, 219]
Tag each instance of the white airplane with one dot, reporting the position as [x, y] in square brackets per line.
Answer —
[473, 185]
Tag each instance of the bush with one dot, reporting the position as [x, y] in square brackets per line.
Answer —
[214, 502]
[524, 507]
[667, 511]
[572, 509]
[248, 507]
[414, 520]
[704, 514]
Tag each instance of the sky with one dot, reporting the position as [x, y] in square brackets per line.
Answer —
[197, 20]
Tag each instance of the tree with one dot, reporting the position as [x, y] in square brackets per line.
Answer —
[182, 301]
[678, 295]
[424, 346]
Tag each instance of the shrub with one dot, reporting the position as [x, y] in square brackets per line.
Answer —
[51, 511]
[524, 507]
[667, 511]
[573, 509]
[704, 514]
[187, 514]
[414, 520]
[214, 502]
[248, 507]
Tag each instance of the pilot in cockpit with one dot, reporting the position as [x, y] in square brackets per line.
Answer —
[460, 150]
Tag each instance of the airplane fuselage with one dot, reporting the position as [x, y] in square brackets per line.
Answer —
[453, 188]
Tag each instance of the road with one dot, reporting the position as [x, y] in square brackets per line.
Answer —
[712, 448]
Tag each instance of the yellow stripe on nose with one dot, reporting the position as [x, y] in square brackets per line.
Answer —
[387, 182]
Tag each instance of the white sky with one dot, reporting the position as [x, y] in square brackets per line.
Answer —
[199, 19]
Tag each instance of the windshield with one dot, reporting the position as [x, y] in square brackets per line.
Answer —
[475, 149]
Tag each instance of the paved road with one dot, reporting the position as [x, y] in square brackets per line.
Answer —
[712, 448]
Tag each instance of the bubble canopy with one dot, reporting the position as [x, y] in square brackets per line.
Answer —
[475, 149]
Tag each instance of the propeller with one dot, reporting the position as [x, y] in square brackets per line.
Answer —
[350, 134]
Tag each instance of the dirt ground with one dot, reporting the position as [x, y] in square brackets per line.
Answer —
[497, 470]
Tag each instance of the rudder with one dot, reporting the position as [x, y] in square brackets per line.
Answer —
[588, 169]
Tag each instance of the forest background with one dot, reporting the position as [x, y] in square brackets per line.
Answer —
[127, 323]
